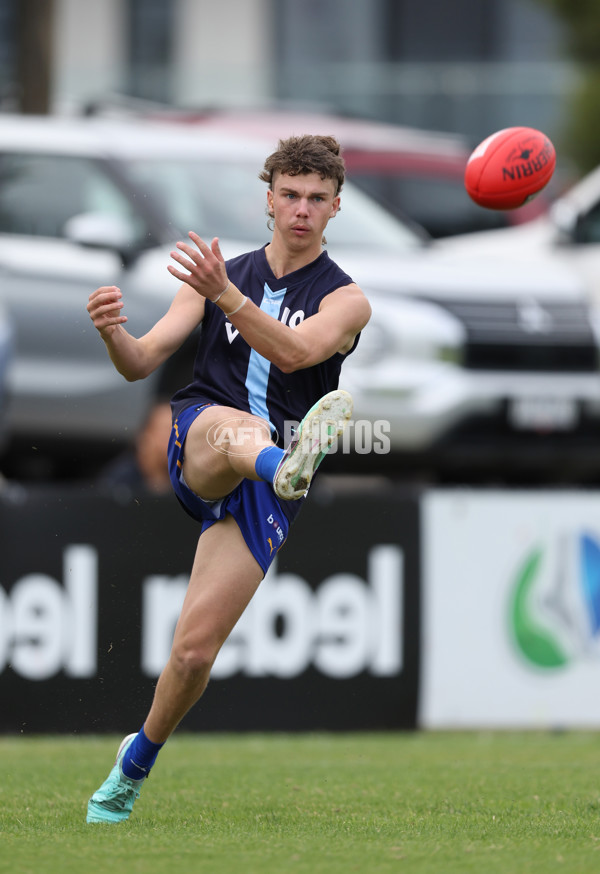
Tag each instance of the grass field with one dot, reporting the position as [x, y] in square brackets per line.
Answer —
[443, 803]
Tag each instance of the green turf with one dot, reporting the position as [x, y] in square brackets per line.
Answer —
[438, 803]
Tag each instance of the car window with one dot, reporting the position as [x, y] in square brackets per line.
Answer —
[39, 193]
[206, 197]
[227, 199]
[439, 204]
[588, 226]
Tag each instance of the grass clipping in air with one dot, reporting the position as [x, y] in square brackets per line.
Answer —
[424, 802]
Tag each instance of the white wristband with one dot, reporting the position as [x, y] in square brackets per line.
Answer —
[219, 296]
[237, 309]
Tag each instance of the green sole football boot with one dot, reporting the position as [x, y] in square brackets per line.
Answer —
[323, 423]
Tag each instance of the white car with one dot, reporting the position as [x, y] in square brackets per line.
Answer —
[466, 364]
[567, 237]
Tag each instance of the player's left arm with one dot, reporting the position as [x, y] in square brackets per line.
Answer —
[342, 314]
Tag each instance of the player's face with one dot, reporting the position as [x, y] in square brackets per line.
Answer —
[301, 206]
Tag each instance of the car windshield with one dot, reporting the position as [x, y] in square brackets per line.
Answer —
[227, 200]
[440, 204]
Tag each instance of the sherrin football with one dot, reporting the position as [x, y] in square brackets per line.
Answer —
[509, 168]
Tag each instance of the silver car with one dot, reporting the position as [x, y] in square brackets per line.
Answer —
[464, 364]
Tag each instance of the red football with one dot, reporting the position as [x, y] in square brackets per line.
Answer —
[509, 168]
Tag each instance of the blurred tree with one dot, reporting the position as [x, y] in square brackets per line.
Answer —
[582, 133]
[35, 38]
[583, 21]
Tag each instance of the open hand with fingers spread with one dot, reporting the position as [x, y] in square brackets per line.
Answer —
[206, 265]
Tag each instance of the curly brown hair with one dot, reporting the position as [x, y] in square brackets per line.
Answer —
[309, 153]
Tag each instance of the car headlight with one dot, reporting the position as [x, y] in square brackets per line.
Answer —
[410, 330]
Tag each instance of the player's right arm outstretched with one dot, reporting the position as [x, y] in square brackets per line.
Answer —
[135, 358]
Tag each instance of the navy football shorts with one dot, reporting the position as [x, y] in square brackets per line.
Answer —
[253, 504]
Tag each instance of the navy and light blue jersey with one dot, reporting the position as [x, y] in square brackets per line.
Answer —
[228, 371]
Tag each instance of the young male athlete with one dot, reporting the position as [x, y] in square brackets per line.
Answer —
[277, 324]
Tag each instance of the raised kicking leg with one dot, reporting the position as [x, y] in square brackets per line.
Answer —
[224, 445]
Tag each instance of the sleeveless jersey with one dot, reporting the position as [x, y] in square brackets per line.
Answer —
[228, 371]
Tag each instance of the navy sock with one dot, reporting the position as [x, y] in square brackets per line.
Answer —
[267, 461]
[139, 756]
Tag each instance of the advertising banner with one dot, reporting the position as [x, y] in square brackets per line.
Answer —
[91, 587]
[511, 609]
